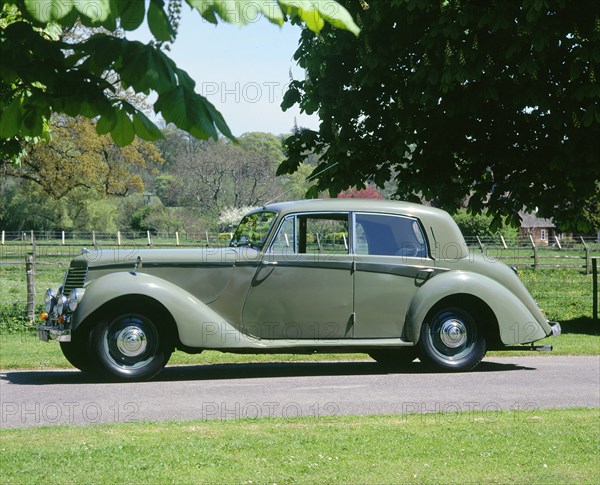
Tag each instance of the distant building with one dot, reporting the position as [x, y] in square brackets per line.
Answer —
[543, 231]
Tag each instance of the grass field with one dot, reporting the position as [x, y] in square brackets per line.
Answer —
[534, 446]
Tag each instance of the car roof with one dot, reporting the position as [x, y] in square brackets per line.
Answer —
[368, 205]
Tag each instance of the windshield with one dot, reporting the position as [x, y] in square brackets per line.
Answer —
[253, 230]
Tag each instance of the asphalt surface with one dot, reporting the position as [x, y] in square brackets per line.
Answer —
[236, 391]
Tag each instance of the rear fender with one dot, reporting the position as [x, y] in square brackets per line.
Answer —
[516, 324]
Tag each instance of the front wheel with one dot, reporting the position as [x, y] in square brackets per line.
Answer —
[131, 346]
[451, 341]
[77, 351]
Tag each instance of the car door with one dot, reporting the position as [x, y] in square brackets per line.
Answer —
[303, 288]
[391, 261]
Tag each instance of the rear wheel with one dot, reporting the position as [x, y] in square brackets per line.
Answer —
[450, 340]
[131, 345]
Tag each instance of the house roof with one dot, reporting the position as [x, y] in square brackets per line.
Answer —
[529, 220]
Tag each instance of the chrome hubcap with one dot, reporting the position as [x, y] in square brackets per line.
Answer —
[131, 341]
[453, 333]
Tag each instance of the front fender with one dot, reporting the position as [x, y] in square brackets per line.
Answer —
[517, 325]
[198, 325]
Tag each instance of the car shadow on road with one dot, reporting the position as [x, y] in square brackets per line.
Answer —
[249, 371]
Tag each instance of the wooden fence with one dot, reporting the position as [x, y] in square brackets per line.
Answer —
[52, 247]
[525, 253]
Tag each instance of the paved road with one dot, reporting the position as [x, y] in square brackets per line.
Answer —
[233, 391]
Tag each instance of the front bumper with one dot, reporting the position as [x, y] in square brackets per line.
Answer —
[52, 332]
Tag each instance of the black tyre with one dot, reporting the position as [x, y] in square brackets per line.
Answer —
[132, 346]
[451, 341]
[396, 358]
[77, 351]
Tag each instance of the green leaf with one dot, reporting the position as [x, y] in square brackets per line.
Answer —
[145, 67]
[123, 133]
[97, 10]
[315, 12]
[131, 13]
[237, 12]
[106, 122]
[304, 9]
[158, 21]
[47, 10]
[588, 117]
[10, 119]
[145, 129]
[192, 113]
[32, 121]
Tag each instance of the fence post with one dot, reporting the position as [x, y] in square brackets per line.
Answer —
[207, 240]
[595, 287]
[588, 262]
[536, 259]
[557, 239]
[149, 239]
[177, 238]
[480, 244]
[94, 238]
[503, 241]
[118, 238]
[3, 238]
[30, 269]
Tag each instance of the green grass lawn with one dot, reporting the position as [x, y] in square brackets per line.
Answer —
[542, 446]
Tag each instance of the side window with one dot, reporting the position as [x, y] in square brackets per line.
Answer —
[285, 241]
[312, 234]
[386, 235]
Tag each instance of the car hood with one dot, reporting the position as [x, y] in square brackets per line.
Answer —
[129, 257]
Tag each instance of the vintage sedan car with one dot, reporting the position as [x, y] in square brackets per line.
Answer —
[394, 280]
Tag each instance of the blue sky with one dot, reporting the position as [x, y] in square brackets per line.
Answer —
[243, 71]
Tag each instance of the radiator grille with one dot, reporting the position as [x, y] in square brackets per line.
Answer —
[75, 278]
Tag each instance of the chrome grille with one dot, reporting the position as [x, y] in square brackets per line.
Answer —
[75, 278]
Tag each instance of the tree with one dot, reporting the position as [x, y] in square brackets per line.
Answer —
[369, 192]
[214, 175]
[494, 102]
[78, 157]
[42, 74]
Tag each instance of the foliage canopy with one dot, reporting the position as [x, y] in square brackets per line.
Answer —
[494, 102]
[41, 74]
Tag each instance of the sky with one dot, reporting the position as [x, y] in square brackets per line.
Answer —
[243, 71]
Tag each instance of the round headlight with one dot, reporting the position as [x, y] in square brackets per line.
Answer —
[60, 304]
[49, 299]
[75, 297]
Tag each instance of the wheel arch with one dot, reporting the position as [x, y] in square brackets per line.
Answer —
[484, 316]
[136, 302]
[513, 322]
